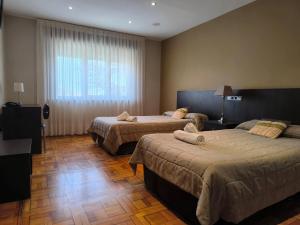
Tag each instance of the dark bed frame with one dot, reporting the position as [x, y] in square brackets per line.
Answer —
[169, 194]
[124, 149]
[281, 104]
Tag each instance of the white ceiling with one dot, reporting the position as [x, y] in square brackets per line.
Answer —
[174, 16]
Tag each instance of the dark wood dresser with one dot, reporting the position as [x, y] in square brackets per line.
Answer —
[15, 169]
[23, 122]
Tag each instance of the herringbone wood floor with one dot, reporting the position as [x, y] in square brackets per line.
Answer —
[75, 182]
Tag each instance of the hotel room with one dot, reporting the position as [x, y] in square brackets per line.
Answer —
[136, 112]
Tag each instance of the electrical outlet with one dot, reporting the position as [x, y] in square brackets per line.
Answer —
[234, 98]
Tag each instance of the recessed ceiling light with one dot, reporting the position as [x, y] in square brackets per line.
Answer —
[153, 3]
[130, 22]
[70, 7]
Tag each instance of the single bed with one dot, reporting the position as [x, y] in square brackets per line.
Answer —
[120, 137]
[232, 175]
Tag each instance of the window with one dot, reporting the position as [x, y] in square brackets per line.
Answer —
[84, 73]
[92, 78]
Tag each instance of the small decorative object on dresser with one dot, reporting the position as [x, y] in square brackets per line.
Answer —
[46, 114]
[217, 125]
[19, 88]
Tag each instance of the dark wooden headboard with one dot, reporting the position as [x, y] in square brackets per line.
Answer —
[282, 104]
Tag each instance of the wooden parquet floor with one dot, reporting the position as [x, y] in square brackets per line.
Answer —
[76, 182]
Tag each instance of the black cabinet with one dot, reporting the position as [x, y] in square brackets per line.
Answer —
[23, 122]
[15, 169]
[216, 125]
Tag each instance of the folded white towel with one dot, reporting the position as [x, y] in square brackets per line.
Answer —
[132, 119]
[123, 116]
[187, 137]
[190, 128]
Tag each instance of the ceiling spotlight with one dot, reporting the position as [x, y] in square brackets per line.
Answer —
[70, 7]
[153, 3]
[130, 22]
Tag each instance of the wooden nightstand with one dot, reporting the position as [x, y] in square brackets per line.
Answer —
[216, 125]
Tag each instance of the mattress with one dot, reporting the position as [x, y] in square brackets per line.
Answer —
[233, 173]
[115, 133]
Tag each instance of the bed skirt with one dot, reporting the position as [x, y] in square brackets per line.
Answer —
[124, 149]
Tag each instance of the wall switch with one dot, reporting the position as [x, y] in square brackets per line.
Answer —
[234, 98]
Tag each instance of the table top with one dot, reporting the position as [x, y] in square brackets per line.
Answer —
[23, 106]
[14, 147]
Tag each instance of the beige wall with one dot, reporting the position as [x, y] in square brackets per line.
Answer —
[152, 80]
[2, 81]
[20, 57]
[20, 37]
[257, 46]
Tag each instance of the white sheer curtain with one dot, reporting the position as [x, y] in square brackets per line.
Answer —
[83, 73]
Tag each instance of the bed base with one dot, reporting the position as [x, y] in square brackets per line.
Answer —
[124, 149]
[127, 148]
[168, 193]
[185, 209]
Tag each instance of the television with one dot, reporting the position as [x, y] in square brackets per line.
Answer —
[1, 12]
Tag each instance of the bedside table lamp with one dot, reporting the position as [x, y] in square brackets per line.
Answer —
[223, 91]
[19, 88]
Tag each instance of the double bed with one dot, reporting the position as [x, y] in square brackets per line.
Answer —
[230, 176]
[120, 137]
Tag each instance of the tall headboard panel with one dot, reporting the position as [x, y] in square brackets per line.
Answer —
[200, 101]
[281, 104]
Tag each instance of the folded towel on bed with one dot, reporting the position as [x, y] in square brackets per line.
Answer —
[123, 116]
[132, 119]
[192, 138]
[190, 128]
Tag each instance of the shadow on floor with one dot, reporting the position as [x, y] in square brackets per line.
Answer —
[275, 214]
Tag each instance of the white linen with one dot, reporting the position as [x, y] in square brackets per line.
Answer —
[233, 174]
[190, 128]
[83, 73]
[123, 116]
[191, 138]
[132, 119]
[115, 133]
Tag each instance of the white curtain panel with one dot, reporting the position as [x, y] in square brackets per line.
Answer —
[83, 73]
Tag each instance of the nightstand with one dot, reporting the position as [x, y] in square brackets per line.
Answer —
[216, 125]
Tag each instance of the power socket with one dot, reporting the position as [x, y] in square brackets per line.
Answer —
[234, 98]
